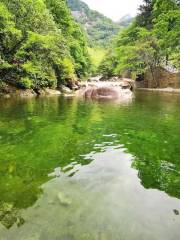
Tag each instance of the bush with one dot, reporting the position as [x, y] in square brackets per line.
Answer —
[25, 83]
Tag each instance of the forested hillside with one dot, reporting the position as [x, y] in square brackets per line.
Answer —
[99, 28]
[152, 41]
[40, 44]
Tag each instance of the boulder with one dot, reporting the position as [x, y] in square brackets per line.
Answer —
[66, 90]
[49, 91]
[94, 79]
[63, 199]
[72, 84]
[114, 79]
[26, 93]
[106, 90]
[101, 92]
[7, 90]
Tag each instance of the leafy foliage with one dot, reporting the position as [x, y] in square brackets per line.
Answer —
[40, 43]
[97, 55]
[151, 41]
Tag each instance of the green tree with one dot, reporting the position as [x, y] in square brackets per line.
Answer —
[167, 29]
[145, 17]
[151, 41]
[73, 34]
[40, 44]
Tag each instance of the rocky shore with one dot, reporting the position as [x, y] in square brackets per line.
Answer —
[112, 89]
[166, 90]
[11, 91]
[94, 88]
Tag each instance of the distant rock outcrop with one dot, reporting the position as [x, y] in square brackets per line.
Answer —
[126, 20]
[161, 78]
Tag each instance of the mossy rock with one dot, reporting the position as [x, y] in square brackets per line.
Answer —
[9, 215]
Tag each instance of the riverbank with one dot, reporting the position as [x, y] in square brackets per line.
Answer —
[112, 88]
[167, 90]
[8, 91]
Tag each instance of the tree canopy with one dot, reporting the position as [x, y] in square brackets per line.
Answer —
[152, 40]
[40, 44]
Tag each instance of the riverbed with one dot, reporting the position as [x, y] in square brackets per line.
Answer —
[74, 169]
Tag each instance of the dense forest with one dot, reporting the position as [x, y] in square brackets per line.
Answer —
[40, 44]
[44, 43]
[151, 41]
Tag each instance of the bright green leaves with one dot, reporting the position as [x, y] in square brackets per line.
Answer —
[151, 41]
[163, 7]
[74, 36]
[31, 15]
[40, 54]
[61, 15]
[40, 43]
[9, 34]
[137, 56]
[67, 68]
[25, 82]
[167, 30]
[130, 60]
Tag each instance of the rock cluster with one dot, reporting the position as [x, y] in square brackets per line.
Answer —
[120, 89]
[94, 88]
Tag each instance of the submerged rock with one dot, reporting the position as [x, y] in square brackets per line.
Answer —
[56, 173]
[26, 93]
[176, 212]
[63, 199]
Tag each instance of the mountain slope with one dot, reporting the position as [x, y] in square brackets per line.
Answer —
[99, 28]
[126, 20]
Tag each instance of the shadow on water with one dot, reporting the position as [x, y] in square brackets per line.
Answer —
[81, 170]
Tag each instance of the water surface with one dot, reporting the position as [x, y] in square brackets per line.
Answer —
[73, 170]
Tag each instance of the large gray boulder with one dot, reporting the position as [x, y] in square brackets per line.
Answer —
[49, 92]
[106, 90]
[28, 93]
[66, 90]
[101, 92]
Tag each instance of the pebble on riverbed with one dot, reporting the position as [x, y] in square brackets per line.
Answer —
[176, 212]
[64, 200]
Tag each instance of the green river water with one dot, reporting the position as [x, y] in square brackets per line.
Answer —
[80, 170]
